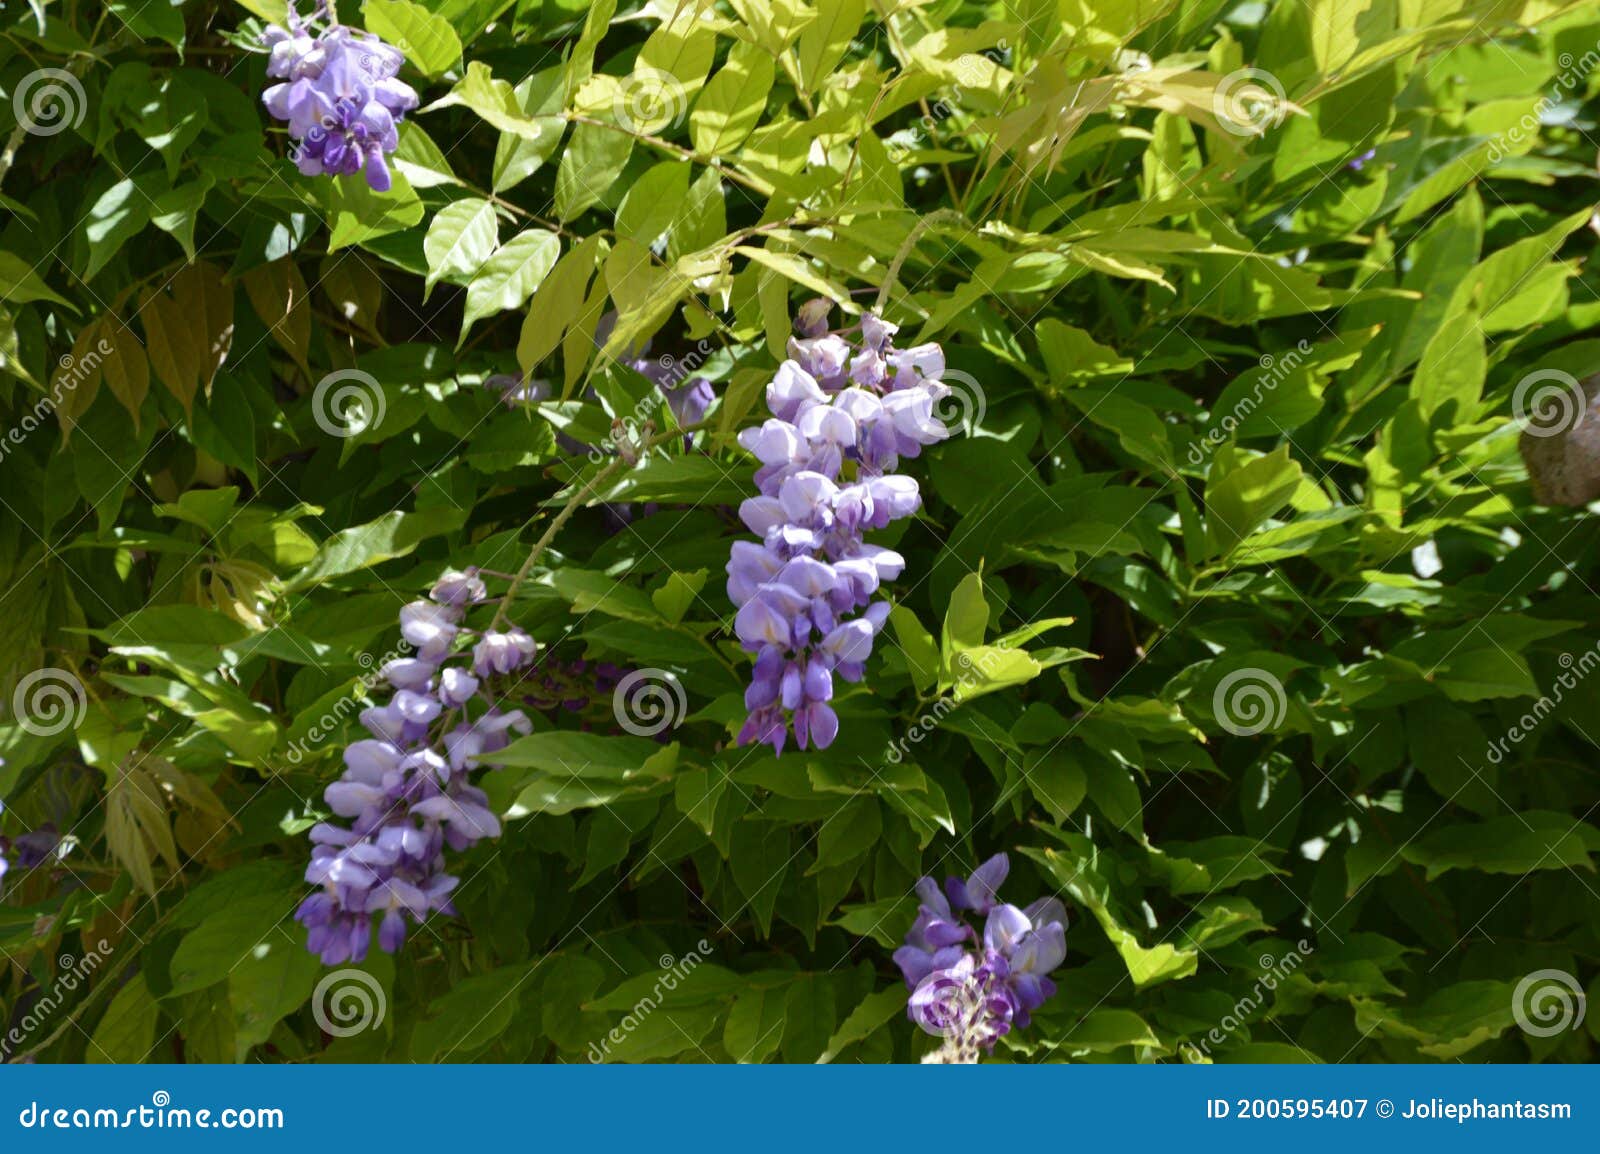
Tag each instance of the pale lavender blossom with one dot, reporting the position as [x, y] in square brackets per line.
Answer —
[842, 416]
[340, 96]
[972, 989]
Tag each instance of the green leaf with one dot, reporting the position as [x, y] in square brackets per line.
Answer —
[966, 619]
[590, 165]
[1240, 500]
[653, 203]
[120, 212]
[731, 105]
[427, 39]
[1519, 844]
[1106, 1030]
[916, 646]
[358, 215]
[1058, 779]
[152, 20]
[1452, 370]
[678, 595]
[518, 156]
[461, 238]
[557, 304]
[825, 40]
[209, 952]
[582, 755]
[127, 1030]
[420, 160]
[875, 1010]
[811, 1016]
[475, 1012]
[759, 859]
[269, 983]
[20, 283]
[510, 276]
[756, 1023]
[1072, 354]
[849, 834]
[1453, 1021]
[392, 535]
[175, 211]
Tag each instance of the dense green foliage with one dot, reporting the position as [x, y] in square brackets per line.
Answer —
[1311, 764]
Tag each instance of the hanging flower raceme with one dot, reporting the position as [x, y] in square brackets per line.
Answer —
[340, 96]
[969, 988]
[406, 789]
[843, 414]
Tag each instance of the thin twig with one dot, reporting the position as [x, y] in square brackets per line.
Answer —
[574, 502]
[922, 226]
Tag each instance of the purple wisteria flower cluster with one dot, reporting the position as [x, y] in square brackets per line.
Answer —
[340, 95]
[973, 989]
[405, 790]
[843, 414]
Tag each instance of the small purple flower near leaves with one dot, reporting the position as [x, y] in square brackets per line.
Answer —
[972, 989]
[405, 790]
[340, 95]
